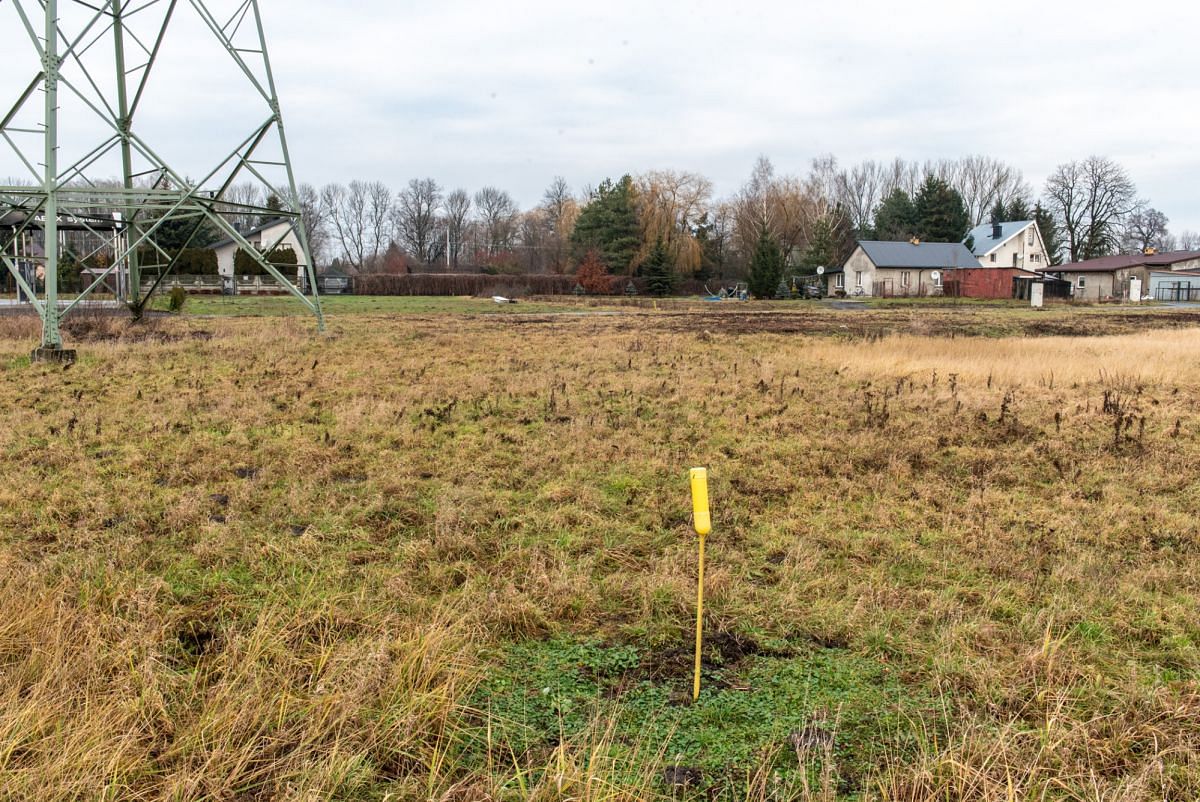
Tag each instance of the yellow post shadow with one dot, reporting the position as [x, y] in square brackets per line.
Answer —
[702, 522]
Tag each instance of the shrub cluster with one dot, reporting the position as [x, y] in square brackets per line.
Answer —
[284, 259]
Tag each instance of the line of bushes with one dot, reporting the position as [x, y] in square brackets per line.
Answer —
[459, 284]
[479, 284]
[284, 260]
[192, 261]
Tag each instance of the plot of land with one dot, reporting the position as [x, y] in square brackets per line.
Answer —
[444, 553]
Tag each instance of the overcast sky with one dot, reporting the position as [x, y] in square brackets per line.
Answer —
[512, 94]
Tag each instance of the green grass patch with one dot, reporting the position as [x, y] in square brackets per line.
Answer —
[796, 705]
[337, 305]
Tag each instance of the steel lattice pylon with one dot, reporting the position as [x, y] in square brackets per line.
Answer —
[82, 49]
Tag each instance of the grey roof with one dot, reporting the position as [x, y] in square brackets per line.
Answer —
[926, 255]
[985, 243]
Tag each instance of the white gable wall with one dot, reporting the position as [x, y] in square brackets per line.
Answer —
[1024, 250]
[262, 239]
[859, 272]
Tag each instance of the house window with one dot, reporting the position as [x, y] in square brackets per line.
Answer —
[993, 257]
[1016, 260]
[840, 281]
[1030, 240]
[937, 279]
[904, 278]
[1082, 283]
[857, 278]
[1035, 257]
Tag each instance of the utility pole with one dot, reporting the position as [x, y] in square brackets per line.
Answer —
[155, 221]
[51, 349]
[133, 286]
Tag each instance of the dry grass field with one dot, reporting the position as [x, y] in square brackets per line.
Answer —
[442, 556]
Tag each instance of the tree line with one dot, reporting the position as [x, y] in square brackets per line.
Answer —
[666, 224]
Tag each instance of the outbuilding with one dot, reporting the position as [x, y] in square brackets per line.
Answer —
[1112, 277]
[1174, 285]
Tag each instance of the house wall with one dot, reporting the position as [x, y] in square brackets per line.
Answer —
[888, 281]
[1028, 255]
[1098, 285]
[227, 254]
[831, 283]
[860, 272]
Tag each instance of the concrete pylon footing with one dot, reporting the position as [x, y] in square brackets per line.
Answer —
[62, 356]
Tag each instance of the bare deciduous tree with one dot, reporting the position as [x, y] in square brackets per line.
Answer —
[858, 191]
[416, 219]
[985, 182]
[1091, 199]
[458, 216]
[359, 217]
[238, 196]
[498, 216]
[562, 210]
[1189, 240]
[1145, 229]
[534, 231]
[314, 217]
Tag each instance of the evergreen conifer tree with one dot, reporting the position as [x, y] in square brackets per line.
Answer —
[766, 266]
[609, 225]
[658, 270]
[896, 217]
[1018, 210]
[1051, 238]
[941, 214]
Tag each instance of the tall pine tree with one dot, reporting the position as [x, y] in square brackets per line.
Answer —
[896, 217]
[1051, 236]
[658, 270]
[609, 225]
[941, 214]
[766, 266]
[1018, 210]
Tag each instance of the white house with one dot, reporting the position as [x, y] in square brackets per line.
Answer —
[280, 234]
[898, 268]
[1017, 244]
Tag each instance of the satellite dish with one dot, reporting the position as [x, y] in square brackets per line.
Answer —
[935, 275]
[820, 271]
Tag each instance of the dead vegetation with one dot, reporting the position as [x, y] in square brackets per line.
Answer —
[243, 561]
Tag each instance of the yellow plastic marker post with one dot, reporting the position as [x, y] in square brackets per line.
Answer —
[702, 521]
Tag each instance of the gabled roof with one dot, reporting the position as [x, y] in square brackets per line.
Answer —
[1124, 261]
[985, 243]
[256, 230]
[926, 255]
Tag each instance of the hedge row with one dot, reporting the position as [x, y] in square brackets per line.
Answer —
[484, 285]
[192, 261]
[284, 260]
[459, 284]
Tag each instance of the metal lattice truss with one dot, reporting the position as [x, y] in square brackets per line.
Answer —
[102, 183]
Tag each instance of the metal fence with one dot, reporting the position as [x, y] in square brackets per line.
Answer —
[1177, 292]
[220, 285]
